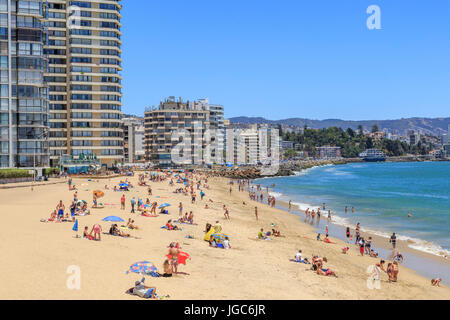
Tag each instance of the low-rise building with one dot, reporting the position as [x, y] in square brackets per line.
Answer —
[133, 131]
[328, 153]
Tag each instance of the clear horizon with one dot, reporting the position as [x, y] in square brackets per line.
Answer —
[290, 59]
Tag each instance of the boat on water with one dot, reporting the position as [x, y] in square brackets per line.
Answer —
[373, 155]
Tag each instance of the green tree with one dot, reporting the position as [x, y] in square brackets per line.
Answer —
[375, 128]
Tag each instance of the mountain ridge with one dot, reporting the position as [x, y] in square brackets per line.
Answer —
[435, 126]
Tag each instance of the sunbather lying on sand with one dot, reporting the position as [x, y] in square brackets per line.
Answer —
[143, 291]
[131, 225]
[115, 231]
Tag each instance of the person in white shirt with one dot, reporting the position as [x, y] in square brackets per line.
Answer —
[298, 256]
[226, 243]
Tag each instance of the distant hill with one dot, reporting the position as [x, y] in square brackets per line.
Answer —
[435, 126]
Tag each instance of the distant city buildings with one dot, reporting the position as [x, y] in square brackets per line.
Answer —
[414, 137]
[446, 144]
[133, 136]
[184, 133]
[287, 145]
[328, 153]
[252, 146]
[377, 136]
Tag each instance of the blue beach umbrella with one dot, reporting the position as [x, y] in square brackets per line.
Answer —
[124, 185]
[143, 267]
[113, 219]
[164, 205]
[75, 226]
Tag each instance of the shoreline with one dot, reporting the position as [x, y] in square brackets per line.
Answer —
[421, 258]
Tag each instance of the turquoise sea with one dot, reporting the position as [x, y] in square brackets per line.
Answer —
[382, 194]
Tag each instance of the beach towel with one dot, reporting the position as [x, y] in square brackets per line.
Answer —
[189, 224]
[303, 261]
[182, 257]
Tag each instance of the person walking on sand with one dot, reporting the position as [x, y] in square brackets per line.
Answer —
[290, 205]
[180, 209]
[393, 240]
[133, 203]
[256, 213]
[122, 202]
[347, 235]
[226, 213]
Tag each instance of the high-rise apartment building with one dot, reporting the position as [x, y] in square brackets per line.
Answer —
[23, 94]
[133, 137]
[252, 146]
[183, 133]
[84, 52]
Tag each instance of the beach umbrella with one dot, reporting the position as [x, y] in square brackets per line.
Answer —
[143, 267]
[99, 193]
[81, 202]
[124, 185]
[164, 205]
[113, 219]
[75, 226]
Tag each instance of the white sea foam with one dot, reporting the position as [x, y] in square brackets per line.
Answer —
[413, 243]
[275, 194]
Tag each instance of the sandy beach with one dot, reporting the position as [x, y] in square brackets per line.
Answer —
[36, 255]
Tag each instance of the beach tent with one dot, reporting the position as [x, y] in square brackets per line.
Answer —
[220, 236]
[113, 219]
[143, 267]
[182, 257]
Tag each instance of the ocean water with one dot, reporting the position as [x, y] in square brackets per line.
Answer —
[382, 194]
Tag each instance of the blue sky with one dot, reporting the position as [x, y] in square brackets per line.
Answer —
[289, 58]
